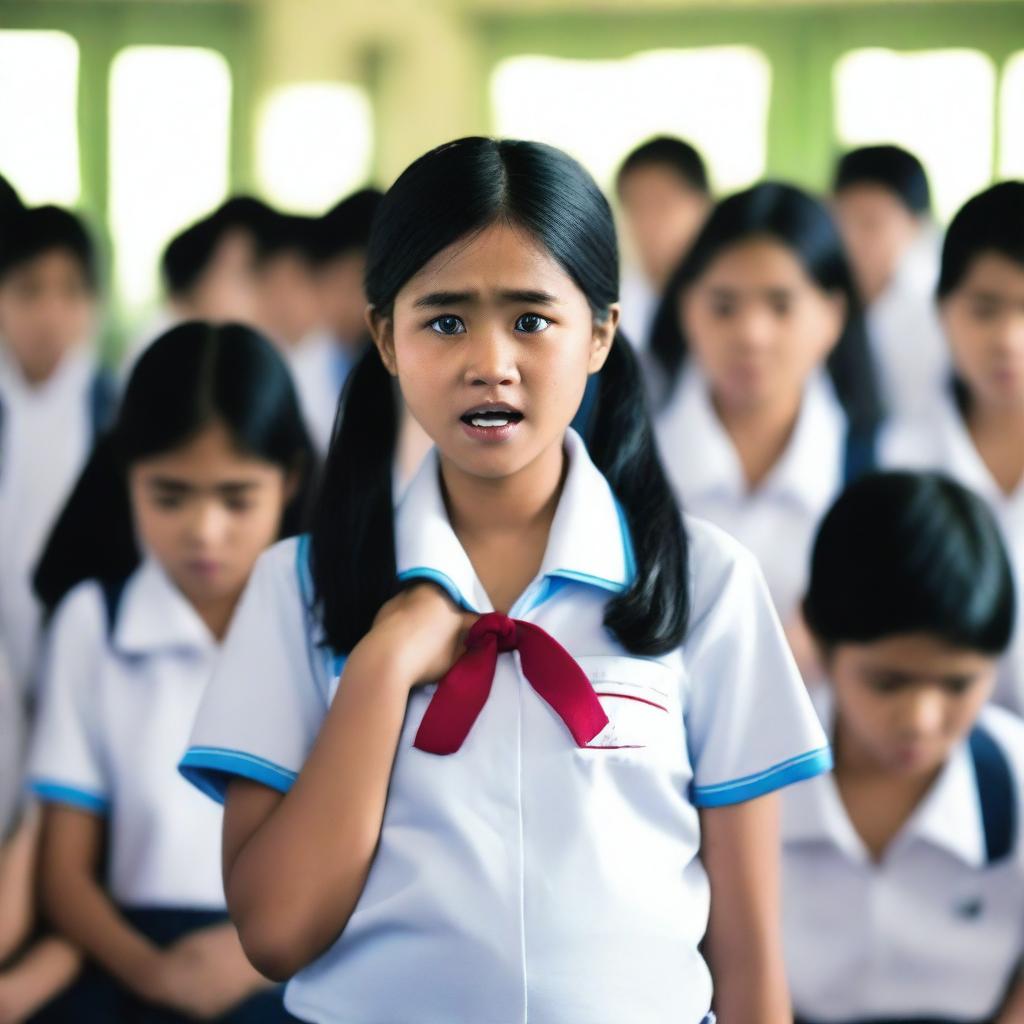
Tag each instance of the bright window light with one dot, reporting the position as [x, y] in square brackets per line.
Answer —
[170, 120]
[936, 103]
[38, 115]
[598, 110]
[1011, 156]
[315, 144]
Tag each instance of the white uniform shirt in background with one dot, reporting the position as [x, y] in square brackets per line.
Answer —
[906, 337]
[114, 719]
[779, 519]
[523, 878]
[940, 441]
[318, 370]
[639, 301]
[932, 930]
[46, 433]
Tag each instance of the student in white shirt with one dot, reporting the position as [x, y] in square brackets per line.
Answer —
[207, 464]
[772, 404]
[976, 432]
[903, 894]
[539, 837]
[662, 188]
[882, 203]
[54, 400]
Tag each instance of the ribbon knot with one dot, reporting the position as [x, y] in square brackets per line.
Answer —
[549, 668]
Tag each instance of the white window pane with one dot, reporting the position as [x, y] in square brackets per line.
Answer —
[716, 98]
[38, 115]
[315, 144]
[170, 119]
[936, 103]
[1011, 157]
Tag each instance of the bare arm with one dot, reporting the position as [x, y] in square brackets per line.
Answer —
[45, 970]
[291, 899]
[17, 885]
[741, 852]
[1013, 1009]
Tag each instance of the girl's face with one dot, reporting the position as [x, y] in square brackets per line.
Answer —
[758, 324]
[903, 703]
[492, 343]
[206, 511]
[984, 320]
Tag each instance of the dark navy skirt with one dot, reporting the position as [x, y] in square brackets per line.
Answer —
[96, 997]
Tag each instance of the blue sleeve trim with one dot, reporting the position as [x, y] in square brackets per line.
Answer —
[210, 769]
[627, 545]
[796, 769]
[446, 583]
[51, 792]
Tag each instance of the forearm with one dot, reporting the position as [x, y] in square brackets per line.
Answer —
[42, 973]
[17, 883]
[85, 915]
[1013, 1008]
[294, 883]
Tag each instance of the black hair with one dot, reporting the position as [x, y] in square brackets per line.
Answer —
[903, 553]
[10, 203]
[891, 167]
[345, 226]
[452, 193]
[992, 221]
[674, 154]
[790, 216]
[35, 231]
[280, 233]
[193, 375]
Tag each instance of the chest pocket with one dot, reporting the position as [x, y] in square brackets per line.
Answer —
[640, 698]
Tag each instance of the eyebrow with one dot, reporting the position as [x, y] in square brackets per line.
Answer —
[180, 487]
[439, 300]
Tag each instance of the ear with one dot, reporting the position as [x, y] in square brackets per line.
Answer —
[292, 483]
[603, 336]
[382, 332]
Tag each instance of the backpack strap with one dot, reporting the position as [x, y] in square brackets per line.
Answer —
[860, 454]
[996, 794]
[102, 401]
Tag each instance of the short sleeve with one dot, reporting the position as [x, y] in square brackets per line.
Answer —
[66, 761]
[263, 707]
[751, 726]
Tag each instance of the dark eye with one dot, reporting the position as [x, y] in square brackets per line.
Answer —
[959, 686]
[532, 323]
[447, 325]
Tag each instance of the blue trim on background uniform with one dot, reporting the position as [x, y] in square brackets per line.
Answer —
[210, 769]
[796, 769]
[51, 792]
[446, 583]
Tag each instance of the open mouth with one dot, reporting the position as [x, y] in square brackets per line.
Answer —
[491, 418]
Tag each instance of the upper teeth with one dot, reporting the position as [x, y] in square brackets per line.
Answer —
[492, 419]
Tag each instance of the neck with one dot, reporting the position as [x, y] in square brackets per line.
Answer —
[760, 432]
[217, 613]
[1007, 416]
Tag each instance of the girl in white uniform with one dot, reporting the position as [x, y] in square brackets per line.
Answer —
[903, 895]
[206, 465]
[772, 403]
[541, 835]
[975, 432]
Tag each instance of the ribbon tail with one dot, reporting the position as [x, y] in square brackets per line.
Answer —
[458, 701]
[556, 675]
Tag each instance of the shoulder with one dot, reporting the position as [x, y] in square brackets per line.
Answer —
[82, 613]
[911, 442]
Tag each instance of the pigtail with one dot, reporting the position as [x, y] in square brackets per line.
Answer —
[352, 549]
[94, 536]
[651, 617]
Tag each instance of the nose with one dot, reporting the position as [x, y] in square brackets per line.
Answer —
[754, 328]
[207, 523]
[492, 359]
[923, 715]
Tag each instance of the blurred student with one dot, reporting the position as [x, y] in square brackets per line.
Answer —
[772, 405]
[10, 204]
[976, 433]
[54, 399]
[903, 871]
[882, 203]
[337, 253]
[207, 464]
[662, 187]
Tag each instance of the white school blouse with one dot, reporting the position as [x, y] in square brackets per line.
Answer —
[523, 878]
[777, 521]
[114, 719]
[940, 441]
[45, 437]
[932, 930]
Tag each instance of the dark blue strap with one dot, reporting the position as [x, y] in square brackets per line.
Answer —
[102, 402]
[860, 456]
[996, 793]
